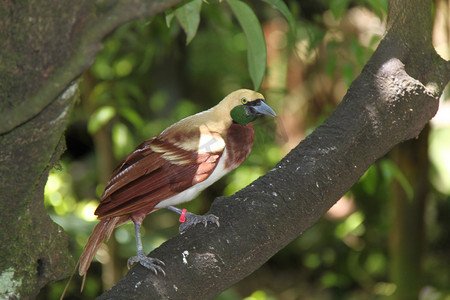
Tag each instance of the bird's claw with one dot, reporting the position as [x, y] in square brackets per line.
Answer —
[153, 264]
[193, 219]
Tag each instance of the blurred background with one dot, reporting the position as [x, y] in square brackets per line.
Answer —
[387, 237]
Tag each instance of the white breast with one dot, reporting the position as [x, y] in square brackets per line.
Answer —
[193, 191]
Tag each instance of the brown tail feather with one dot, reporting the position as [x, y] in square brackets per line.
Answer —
[68, 282]
[102, 231]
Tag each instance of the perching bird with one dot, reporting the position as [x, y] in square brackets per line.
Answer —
[174, 167]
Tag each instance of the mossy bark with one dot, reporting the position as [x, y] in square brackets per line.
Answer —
[45, 45]
[33, 247]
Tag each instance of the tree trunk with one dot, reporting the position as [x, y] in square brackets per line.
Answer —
[45, 45]
[33, 249]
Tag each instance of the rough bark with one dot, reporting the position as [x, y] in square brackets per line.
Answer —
[45, 45]
[33, 249]
[390, 102]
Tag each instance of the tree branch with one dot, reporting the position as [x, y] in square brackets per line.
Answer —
[383, 107]
[62, 39]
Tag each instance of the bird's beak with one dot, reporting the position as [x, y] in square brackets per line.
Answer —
[264, 109]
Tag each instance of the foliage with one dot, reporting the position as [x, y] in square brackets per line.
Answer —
[256, 49]
[147, 78]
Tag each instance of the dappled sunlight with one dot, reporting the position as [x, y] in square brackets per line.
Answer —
[88, 209]
[58, 192]
[439, 150]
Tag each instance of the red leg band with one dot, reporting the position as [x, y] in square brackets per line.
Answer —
[183, 216]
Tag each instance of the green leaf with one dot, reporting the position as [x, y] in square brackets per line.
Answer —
[256, 44]
[122, 140]
[339, 7]
[348, 74]
[132, 116]
[349, 225]
[391, 171]
[100, 118]
[169, 17]
[284, 10]
[188, 15]
[369, 181]
[380, 7]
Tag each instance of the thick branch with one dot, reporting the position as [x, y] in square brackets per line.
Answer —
[47, 44]
[383, 107]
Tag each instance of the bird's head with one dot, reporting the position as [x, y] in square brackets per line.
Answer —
[245, 106]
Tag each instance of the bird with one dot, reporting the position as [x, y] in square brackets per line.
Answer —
[174, 167]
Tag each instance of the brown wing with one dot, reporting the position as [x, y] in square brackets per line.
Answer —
[155, 171]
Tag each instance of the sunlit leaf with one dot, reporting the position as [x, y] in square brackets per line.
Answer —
[123, 67]
[188, 15]
[100, 117]
[122, 140]
[349, 225]
[257, 295]
[256, 44]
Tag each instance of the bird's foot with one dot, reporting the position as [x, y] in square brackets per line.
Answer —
[193, 219]
[150, 263]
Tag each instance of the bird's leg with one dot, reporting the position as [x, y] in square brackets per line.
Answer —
[150, 263]
[175, 209]
[193, 219]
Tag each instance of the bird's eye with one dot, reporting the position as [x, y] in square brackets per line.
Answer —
[244, 100]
